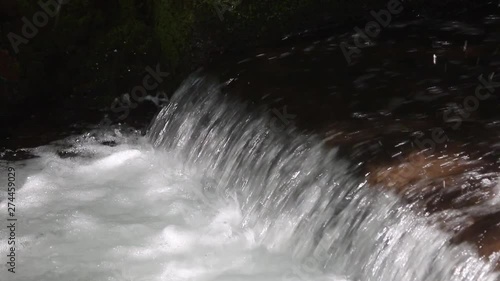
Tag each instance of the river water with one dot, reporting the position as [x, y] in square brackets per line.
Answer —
[213, 192]
[222, 187]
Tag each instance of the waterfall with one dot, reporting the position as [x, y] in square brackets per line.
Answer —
[215, 191]
[300, 198]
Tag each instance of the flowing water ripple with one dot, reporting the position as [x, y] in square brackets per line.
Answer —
[213, 193]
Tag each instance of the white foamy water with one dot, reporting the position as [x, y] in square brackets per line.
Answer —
[128, 213]
[213, 193]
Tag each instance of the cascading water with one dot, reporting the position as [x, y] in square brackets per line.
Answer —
[300, 199]
[214, 192]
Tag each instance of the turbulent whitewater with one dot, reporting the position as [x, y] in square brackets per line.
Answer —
[215, 191]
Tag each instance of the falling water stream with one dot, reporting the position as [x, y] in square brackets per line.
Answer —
[214, 192]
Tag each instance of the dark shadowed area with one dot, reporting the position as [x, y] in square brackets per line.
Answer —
[366, 128]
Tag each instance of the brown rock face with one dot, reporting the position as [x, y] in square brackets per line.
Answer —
[417, 167]
[455, 190]
[485, 232]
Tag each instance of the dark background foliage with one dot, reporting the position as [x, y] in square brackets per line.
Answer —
[94, 51]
